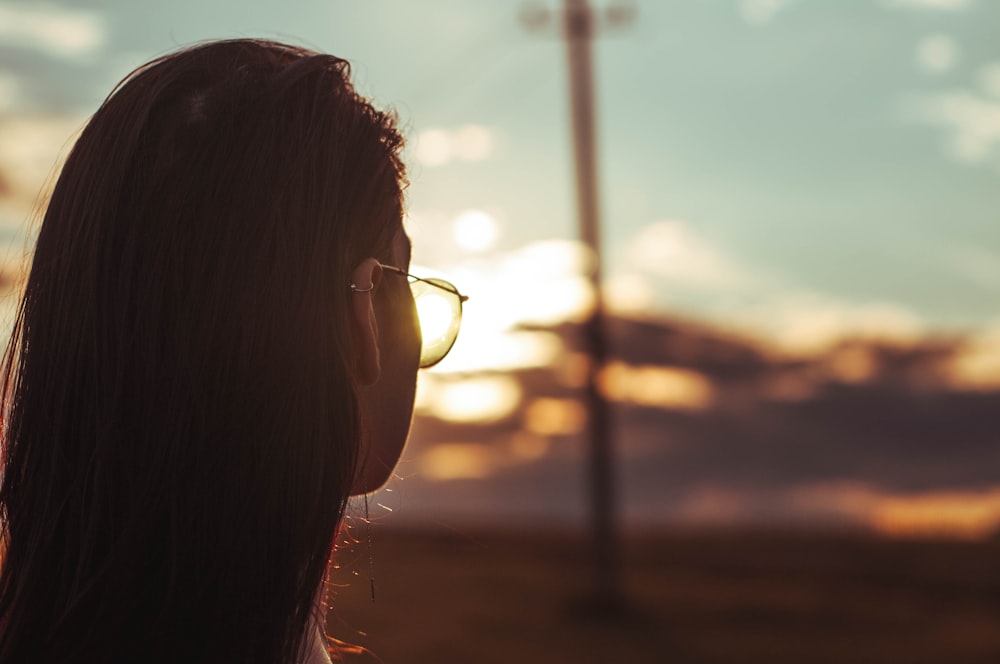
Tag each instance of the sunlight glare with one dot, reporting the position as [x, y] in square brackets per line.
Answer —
[423, 401]
[977, 364]
[433, 147]
[962, 514]
[483, 350]
[551, 258]
[540, 284]
[628, 293]
[555, 301]
[656, 386]
[475, 231]
[454, 461]
[482, 399]
[966, 515]
[434, 313]
[555, 417]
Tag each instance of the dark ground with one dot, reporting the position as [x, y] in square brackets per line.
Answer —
[709, 597]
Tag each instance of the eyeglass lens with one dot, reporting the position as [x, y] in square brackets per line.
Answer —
[439, 308]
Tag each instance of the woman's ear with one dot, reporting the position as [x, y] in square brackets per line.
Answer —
[365, 281]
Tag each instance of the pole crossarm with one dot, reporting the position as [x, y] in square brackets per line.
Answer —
[614, 19]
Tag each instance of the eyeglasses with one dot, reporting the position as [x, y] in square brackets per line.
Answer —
[439, 310]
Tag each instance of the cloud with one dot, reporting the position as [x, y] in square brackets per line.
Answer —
[11, 92]
[438, 147]
[667, 262]
[707, 434]
[673, 252]
[808, 322]
[977, 364]
[628, 293]
[58, 31]
[541, 283]
[941, 5]
[989, 79]
[937, 54]
[978, 265]
[656, 387]
[965, 514]
[973, 122]
[30, 150]
[760, 12]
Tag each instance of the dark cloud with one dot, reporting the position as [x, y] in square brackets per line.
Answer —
[900, 430]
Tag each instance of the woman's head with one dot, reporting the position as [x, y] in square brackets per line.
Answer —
[189, 377]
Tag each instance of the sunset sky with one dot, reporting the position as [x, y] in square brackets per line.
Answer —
[795, 172]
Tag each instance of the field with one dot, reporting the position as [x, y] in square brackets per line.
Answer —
[692, 597]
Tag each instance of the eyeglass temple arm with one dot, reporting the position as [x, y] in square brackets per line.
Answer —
[452, 290]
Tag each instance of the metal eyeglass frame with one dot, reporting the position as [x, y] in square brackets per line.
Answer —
[441, 284]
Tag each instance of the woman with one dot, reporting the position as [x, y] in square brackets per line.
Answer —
[216, 347]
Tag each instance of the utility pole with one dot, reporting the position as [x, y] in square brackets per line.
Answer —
[579, 24]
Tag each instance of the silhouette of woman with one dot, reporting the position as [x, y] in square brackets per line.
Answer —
[216, 347]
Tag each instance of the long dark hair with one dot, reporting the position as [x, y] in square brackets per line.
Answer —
[180, 421]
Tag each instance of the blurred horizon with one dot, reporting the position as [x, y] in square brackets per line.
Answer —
[801, 243]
